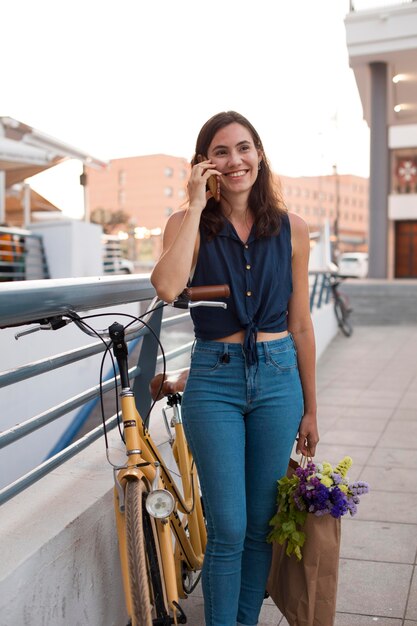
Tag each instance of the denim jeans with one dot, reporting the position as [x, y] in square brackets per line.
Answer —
[241, 422]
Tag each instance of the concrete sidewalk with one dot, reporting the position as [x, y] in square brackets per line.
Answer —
[367, 391]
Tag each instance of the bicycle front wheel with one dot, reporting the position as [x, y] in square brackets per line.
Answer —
[144, 564]
[342, 315]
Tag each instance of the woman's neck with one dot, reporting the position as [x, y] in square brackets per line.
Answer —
[238, 211]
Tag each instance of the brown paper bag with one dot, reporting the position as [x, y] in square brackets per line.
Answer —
[305, 591]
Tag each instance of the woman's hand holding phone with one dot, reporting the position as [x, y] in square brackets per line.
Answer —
[213, 182]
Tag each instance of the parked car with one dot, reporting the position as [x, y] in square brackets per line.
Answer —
[354, 264]
[114, 262]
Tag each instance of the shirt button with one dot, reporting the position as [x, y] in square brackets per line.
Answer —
[248, 293]
[248, 267]
[246, 246]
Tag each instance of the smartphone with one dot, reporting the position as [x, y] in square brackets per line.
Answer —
[213, 182]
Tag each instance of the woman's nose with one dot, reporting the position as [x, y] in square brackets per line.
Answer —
[234, 158]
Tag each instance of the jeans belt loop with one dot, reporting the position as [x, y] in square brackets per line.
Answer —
[225, 356]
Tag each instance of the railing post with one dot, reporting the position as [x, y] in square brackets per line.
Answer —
[147, 365]
[313, 291]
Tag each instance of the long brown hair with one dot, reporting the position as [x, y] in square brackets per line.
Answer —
[265, 201]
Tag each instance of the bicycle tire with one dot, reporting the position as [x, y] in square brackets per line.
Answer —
[146, 583]
[342, 314]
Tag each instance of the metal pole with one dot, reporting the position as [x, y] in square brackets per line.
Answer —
[83, 182]
[26, 204]
[379, 174]
[336, 224]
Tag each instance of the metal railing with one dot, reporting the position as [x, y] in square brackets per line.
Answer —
[24, 302]
[35, 300]
[320, 289]
[369, 5]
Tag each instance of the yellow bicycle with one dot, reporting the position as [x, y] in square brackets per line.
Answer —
[160, 520]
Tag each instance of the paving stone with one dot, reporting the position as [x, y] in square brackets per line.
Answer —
[360, 424]
[394, 457]
[334, 453]
[400, 434]
[371, 588]
[409, 400]
[391, 479]
[350, 437]
[411, 613]
[370, 413]
[405, 414]
[381, 506]
[378, 541]
[378, 399]
[346, 619]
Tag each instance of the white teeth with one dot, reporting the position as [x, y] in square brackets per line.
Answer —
[236, 174]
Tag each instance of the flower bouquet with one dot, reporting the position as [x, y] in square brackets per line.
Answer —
[319, 489]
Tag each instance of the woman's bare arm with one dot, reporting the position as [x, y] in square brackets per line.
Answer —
[181, 237]
[180, 248]
[301, 327]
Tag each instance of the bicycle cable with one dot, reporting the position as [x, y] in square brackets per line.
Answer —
[80, 320]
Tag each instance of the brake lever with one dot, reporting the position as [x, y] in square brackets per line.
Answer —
[182, 302]
[54, 323]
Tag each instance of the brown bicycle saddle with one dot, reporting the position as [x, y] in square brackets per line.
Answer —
[173, 382]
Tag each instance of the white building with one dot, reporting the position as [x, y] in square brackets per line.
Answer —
[382, 45]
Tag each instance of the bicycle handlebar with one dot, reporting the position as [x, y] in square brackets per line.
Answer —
[189, 298]
[206, 292]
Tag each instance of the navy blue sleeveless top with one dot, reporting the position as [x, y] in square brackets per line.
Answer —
[258, 272]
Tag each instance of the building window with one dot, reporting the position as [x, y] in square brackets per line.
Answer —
[122, 178]
[168, 211]
[183, 174]
[181, 194]
[122, 197]
[168, 191]
[168, 171]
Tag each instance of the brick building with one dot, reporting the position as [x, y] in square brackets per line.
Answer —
[342, 199]
[150, 188]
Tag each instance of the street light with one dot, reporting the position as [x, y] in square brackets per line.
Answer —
[336, 232]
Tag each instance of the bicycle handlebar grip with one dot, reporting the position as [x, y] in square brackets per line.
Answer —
[207, 292]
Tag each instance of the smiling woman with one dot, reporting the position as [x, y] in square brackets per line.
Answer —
[251, 386]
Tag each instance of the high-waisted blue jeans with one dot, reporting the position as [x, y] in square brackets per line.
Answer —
[241, 423]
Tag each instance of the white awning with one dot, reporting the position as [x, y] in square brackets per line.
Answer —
[13, 152]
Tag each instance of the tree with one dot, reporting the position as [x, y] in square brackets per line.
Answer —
[111, 220]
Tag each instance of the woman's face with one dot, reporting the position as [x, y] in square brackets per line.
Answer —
[235, 155]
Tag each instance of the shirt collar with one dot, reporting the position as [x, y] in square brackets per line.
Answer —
[228, 230]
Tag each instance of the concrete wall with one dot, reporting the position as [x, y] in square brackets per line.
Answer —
[73, 248]
[325, 327]
[59, 563]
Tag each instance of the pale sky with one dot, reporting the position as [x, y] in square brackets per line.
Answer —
[121, 78]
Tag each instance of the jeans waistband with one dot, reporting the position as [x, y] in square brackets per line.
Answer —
[262, 347]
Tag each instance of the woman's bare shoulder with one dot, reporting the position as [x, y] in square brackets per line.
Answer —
[298, 225]
[300, 235]
[174, 222]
